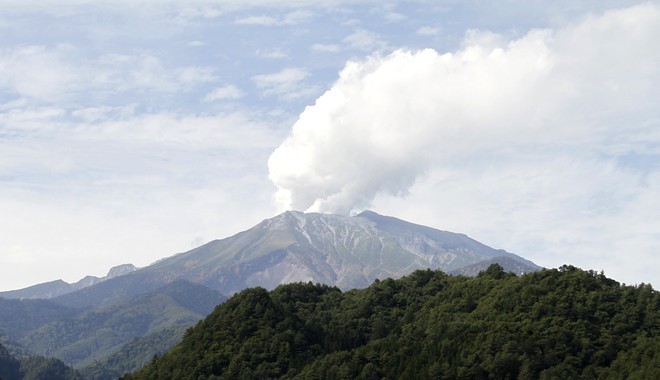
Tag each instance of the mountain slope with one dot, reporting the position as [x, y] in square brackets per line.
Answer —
[19, 317]
[348, 252]
[60, 287]
[34, 367]
[344, 251]
[135, 354]
[94, 334]
[562, 323]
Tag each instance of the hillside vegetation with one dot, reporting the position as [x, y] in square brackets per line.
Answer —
[133, 355]
[34, 368]
[20, 317]
[562, 323]
[94, 334]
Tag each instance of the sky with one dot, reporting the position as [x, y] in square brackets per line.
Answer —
[134, 130]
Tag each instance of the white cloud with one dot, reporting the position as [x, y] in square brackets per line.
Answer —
[59, 74]
[519, 139]
[191, 76]
[365, 40]
[293, 18]
[326, 48]
[276, 53]
[257, 20]
[228, 92]
[297, 17]
[287, 83]
[189, 11]
[39, 72]
[394, 17]
[196, 43]
[428, 31]
[153, 182]
[226, 131]
[94, 114]
[146, 72]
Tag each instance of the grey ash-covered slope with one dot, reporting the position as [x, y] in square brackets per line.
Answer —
[444, 250]
[348, 252]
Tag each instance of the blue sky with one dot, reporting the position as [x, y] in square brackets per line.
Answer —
[133, 130]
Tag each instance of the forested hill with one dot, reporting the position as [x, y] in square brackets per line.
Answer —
[34, 368]
[562, 323]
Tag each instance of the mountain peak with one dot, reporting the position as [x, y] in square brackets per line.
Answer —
[368, 214]
[120, 270]
[327, 248]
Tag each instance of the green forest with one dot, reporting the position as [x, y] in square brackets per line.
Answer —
[563, 323]
[34, 368]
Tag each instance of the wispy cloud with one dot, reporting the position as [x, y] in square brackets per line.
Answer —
[228, 92]
[326, 48]
[287, 83]
[365, 40]
[293, 18]
[258, 20]
[40, 72]
[428, 31]
[57, 74]
[275, 53]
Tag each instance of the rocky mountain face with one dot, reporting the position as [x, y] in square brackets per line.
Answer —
[59, 287]
[348, 252]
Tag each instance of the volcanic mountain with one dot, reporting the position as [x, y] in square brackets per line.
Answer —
[348, 252]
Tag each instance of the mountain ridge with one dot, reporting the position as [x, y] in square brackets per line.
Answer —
[60, 287]
[92, 334]
[348, 252]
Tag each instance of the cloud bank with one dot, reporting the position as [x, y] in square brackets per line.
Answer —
[588, 89]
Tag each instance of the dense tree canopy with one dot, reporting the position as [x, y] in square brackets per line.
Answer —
[34, 368]
[560, 323]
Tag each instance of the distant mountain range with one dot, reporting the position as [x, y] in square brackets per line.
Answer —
[60, 287]
[135, 313]
[142, 326]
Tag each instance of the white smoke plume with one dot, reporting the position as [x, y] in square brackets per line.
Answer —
[389, 119]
